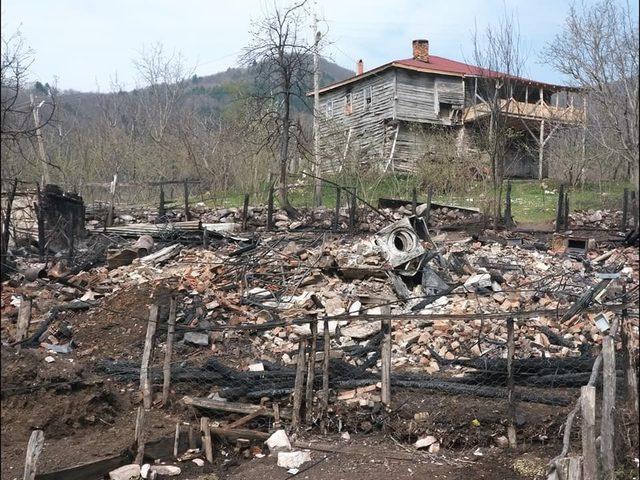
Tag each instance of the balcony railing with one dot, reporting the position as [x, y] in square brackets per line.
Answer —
[529, 111]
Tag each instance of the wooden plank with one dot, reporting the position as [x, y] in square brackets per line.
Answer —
[298, 385]
[511, 409]
[34, 448]
[325, 368]
[207, 444]
[24, 319]
[166, 370]
[607, 431]
[386, 363]
[246, 419]
[311, 370]
[588, 434]
[239, 433]
[145, 382]
[95, 469]
[232, 407]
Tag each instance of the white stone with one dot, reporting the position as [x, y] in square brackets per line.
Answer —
[166, 470]
[126, 472]
[278, 441]
[293, 459]
[197, 338]
[49, 359]
[425, 442]
[256, 367]
[361, 331]
[198, 461]
[482, 280]
[144, 470]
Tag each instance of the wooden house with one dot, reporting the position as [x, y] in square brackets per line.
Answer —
[383, 116]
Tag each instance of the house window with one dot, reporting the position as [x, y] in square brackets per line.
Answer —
[445, 111]
[367, 98]
[348, 104]
[328, 109]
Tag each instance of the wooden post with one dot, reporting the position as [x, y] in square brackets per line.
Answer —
[187, 215]
[298, 389]
[245, 211]
[325, 367]
[414, 201]
[171, 326]
[276, 415]
[560, 211]
[569, 468]
[112, 191]
[270, 208]
[565, 220]
[7, 218]
[207, 444]
[192, 436]
[311, 372]
[205, 237]
[145, 381]
[161, 210]
[427, 212]
[336, 218]
[385, 356]
[24, 319]
[590, 458]
[511, 408]
[352, 211]
[72, 236]
[176, 440]
[34, 448]
[607, 430]
[630, 373]
[625, 208]
[508, 218]
[634, 208]
[40, 220]
[541, 151]
[139, 436]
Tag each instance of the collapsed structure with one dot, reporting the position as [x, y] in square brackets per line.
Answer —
[388, 116]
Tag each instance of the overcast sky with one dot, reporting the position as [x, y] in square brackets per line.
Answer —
[85, 43]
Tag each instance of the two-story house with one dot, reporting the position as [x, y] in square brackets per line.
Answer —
[382, 116]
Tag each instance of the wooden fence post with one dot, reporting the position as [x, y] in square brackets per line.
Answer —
[560, 210]
[589, 455]
[414, 201]
[187, 215]
[270, 208]
[607, 431]
[139, 435]
[311, 371]
[145, 381]
[565, 220]
[4, 247]
[427, 212]
[508, 217]
[112, 191]
[72, 237]
[325, 368]
[352, 211]
[40, 221]
[171, 326]
[634, 208]
[34, 448]
[162, 212]
[336, 218]
[625, 209]
[298, 389]
[176, 440]
[511, 350]
[630, 367]
[385, 355]
[24, 319]
[207, 444]
[245, 211]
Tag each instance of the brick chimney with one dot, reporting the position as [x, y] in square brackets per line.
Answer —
[359, 67]
[421, 50]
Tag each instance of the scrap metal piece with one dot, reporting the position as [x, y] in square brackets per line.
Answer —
[399, 242]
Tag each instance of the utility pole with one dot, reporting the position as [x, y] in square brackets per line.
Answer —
[317, 194]
[43, 157]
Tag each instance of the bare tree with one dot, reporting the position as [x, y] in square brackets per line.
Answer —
[20, 113]
[599, 50]
[498, 55]
[281, 59]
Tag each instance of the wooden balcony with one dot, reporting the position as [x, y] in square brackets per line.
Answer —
[528, 111]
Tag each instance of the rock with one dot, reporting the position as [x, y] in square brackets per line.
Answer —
[425, 442]
[197, 338]
[144, 470]
[293, 459]
[434, 447]
[126, 472]
[256, 367]
[198, 461]
[166, 470]
[49, 359]
[501, 441]
[278, 442]
[482, 280]
[361, 331]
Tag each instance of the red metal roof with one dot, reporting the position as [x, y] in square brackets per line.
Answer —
[445, 66]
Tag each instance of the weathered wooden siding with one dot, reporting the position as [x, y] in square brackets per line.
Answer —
[359, 133]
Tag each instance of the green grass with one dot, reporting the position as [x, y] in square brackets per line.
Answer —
[532, 201]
